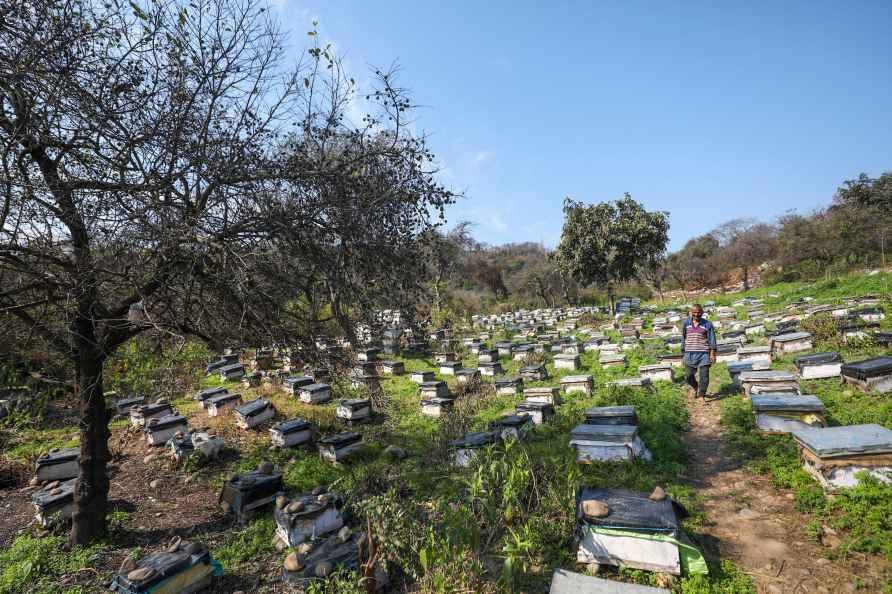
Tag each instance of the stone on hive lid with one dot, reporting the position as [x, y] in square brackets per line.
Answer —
[307, 517]
[189, 568]
[58, 464]
[640, 519]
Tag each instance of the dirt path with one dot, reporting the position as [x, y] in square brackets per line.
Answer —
[756, 525]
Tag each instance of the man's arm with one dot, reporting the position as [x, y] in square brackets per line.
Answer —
[713, 345]
[684, 333]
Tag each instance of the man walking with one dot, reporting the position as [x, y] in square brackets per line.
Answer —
[698, 349]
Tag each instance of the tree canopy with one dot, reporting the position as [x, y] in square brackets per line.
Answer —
[610, 242]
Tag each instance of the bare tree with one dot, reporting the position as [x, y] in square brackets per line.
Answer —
[746, 243]
[163, 169]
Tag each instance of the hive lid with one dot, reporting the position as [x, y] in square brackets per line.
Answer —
[817, 359]
[315, 387]
[59, 457]
[878, 366]
[527, 406]
[851, 440]
[792, 336]
[503, 383]
[476, 439]
[210, 393]
[567, 582]
[748, 350]
[608, 433]
[611, 411]
[575, 379]
[165, 422]
[298, 381]
[341, 439]
[741, 366]
[629, 510]
[355, 402]
[511, 421]
[767, 375]
[249, 409]
[44, 497]
[437, 400]
[223, 398]
[786, 402]
[292, 425]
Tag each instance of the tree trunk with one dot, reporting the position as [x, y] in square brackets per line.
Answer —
[610, 298]
[91, 491]
[746, 278]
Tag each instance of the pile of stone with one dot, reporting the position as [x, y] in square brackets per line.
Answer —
[316, 560]
[183, 444]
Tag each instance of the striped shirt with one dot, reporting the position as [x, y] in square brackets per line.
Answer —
[698, 339]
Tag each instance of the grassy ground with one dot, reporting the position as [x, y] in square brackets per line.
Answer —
[501, 525]
[506, 522]
[858, 519]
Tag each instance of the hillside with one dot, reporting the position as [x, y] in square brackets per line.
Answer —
[507, 521]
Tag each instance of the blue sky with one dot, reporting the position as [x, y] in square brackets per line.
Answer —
[710, 111]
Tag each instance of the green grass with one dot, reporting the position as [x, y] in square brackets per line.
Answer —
[34, 565]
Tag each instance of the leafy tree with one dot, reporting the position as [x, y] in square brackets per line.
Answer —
[164, 170]
[609, 242]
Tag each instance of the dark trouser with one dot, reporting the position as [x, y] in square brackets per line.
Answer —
[690, 378]
[692, 363]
